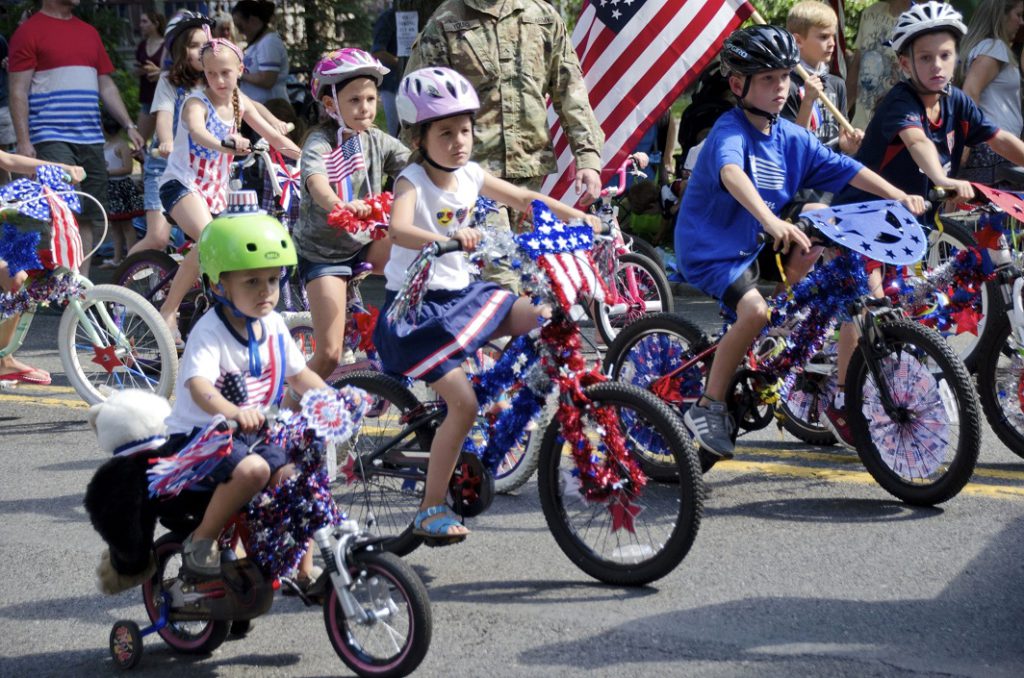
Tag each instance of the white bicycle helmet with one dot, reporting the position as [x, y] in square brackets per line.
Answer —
[928, 17]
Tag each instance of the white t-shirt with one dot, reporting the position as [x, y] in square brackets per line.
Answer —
[266, 54]
[1000, 100]
[442, 212]
[217, 353]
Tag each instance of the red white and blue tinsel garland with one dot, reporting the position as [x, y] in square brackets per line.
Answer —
[19, 249]
[48, 291]
[376, 224]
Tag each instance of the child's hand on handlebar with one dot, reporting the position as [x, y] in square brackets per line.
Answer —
[75, 173]
[915, 203]
[241, 144]
[640, 159]
[469, 237]
[594, 222]
[964, 190]
[786, 235]
[249, 419]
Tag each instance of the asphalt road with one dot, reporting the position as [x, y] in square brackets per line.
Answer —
[803, 566]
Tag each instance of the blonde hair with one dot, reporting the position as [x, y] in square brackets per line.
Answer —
[803, 16]
[986, 23]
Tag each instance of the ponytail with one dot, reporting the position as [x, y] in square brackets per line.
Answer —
[236, 109]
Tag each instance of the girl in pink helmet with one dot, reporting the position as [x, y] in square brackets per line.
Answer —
[343, 159]
[434, 200]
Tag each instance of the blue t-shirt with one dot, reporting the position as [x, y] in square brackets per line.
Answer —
[961, 124]
[716, 237]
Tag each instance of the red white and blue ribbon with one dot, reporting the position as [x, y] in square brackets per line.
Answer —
[169, 476]
[287, 179]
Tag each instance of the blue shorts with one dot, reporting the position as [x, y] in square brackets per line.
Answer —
[242, 445]
[171, 193]
[311, 270]
[154, 169]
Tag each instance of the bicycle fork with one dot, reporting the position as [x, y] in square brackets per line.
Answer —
[336, 565]
[871, 342]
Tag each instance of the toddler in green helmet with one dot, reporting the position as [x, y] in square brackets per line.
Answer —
[238, 361]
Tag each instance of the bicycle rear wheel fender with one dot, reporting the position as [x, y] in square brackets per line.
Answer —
[609, 539]
[1001, 384]
[928, 457]
[186, 637]
[397, 640]
[652, 289]
[964, 337]
[142, 272]
[388, 494]
[135, 349]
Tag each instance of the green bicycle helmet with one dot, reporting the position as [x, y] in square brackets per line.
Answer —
[243, 238]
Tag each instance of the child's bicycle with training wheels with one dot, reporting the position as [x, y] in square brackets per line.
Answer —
[375, 607]
[639, 284]
[910, 403]
[619, 480]
[109, 338]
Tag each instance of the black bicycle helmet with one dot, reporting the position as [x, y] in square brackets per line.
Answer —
[759, 48]
[182, 21]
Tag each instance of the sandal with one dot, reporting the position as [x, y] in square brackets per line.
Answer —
[435, 533]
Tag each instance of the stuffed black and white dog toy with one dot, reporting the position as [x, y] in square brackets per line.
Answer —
[130, 426]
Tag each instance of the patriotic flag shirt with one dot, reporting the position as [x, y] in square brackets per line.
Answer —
[216, 352]
[715, 236]
[960, 124]
[198, 168]
[67, 57]
[442, 212]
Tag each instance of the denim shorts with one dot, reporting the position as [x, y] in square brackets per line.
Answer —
[171, 193]
[151, 183]
[311, 270]
[243, 444]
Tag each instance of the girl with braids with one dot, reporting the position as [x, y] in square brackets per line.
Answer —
[193, 188]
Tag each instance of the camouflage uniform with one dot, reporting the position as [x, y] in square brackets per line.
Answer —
[515, 53]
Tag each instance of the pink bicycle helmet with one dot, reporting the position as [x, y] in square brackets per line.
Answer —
[345, 64]
[434, 93]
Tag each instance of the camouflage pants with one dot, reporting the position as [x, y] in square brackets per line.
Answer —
[510, 218]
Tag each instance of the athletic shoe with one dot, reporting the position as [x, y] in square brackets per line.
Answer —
[201, 557]
[712, 427]
[835, 418]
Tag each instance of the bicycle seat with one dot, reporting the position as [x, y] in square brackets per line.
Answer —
[182, 514]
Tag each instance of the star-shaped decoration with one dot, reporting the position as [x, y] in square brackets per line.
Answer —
[616, 14]
[106, 358]
[348, 470]
[966, 321]
[623, 514]
[890, 254]
[865, 245]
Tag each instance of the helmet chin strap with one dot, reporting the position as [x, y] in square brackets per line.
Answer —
[435, 164]
[772, 117]
[255, 363]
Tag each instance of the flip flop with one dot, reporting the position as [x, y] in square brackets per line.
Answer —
[24, 377]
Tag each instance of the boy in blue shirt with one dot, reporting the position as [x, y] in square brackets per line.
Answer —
[751, 165]
[918, 135]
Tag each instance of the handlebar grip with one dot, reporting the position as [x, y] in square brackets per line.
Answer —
[447, 247]
[938, 194]
[229, 143]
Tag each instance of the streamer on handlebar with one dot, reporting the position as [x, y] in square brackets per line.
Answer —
[883, 230]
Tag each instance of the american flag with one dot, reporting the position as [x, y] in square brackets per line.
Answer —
[345, 160]
[65, 240]
[637, 58]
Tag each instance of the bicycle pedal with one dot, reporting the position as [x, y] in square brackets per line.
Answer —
[439, 542]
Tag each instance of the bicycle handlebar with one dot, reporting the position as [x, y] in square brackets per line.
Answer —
[621, 174]
[446, 247]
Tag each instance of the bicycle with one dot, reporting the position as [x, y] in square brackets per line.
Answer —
[910, 404]
[375, 607]
[109, 338]
[618, 480]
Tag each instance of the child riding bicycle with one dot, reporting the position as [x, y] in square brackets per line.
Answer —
[761, 161]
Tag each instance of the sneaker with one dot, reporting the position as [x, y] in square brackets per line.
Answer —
[835, 419]
[712, 427]
[201, 557]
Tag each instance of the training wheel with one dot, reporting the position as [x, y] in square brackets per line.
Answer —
[125, 644]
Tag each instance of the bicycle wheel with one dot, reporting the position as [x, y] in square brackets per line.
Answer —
[637, 244]
[300, 325]
[113, 339]
[803, 409]
[384, 492]
[652, 347]
[187, 637]
[396, 635]
[963, 337]
[642, 288]
[924, 452]
[643, 533]
[1001, 384]
[142, 273]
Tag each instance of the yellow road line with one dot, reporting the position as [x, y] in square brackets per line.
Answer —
[72, 403]
[36, 388]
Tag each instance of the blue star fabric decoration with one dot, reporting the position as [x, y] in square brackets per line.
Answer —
[29, 196]
[552, 236]
[883, 230]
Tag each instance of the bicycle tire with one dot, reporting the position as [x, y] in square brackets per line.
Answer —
[300, 326]
[912, 459]
[654, 289]
[1001, 384]
[967, 345]
[671, 509]
[374, 494]
[142, 271]
[637, 244]
[653, 346]
[186, 637]
[394, 595]
[146, 356]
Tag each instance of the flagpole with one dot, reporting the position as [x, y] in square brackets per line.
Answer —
[833, 109]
